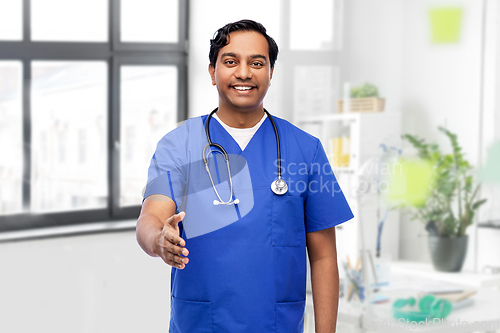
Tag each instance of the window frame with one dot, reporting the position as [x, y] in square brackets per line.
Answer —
[115, 54]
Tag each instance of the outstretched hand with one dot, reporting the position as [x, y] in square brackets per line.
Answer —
[169, 246]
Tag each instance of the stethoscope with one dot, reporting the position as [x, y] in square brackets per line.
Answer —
[278, 186]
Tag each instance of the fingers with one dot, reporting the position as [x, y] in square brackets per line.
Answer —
[172, 237]
[174, 255]
[177, 250]
[172, 249]
[175, 260]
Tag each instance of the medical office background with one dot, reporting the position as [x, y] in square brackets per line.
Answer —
[88, 87]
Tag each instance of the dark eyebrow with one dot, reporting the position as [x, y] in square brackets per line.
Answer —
[234, 55]
[228, 54]
[258, 56]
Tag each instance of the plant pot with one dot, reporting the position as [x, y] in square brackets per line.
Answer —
[448, 253]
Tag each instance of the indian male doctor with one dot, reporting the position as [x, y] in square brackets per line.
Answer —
[234, 200]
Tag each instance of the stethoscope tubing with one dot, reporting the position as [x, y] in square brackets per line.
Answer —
[278, 189]
[278, 148]
[211, 144]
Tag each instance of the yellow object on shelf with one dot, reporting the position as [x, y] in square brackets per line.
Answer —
[341, 151]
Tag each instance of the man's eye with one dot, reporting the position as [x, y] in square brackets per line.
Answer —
[230, 62]
[257, 64]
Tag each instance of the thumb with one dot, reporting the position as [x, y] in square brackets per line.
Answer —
[175, 219]
[171, 229]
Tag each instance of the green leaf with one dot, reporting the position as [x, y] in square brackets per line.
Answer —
[365, 90]
[453, 189]
[478, 204]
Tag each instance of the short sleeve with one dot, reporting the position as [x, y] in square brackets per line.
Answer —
[325, 204]
[166, 173]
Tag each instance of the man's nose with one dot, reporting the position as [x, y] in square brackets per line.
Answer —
[243, 72]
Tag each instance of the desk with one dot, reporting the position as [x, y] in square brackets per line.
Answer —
[482, 316]
[464, 278]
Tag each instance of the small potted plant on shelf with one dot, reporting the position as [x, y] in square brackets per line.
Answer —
[364, 98]
[451, 203]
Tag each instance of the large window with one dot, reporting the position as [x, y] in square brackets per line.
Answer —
[87, 87]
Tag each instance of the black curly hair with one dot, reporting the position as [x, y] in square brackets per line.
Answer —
[221, 39]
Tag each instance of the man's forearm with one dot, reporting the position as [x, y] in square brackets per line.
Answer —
[325, 287]
[147, 229]
[156, 209]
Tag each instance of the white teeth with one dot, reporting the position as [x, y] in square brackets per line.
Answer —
[242, 88]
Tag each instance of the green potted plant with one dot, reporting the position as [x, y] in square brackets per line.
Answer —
[451, 202]
[364, 91]
[364, 98]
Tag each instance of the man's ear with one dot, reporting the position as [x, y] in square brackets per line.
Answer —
[271, 76]
[211, 70]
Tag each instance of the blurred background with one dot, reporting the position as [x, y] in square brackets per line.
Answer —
[87, 88]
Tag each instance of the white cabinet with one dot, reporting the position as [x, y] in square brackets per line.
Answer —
[358, 179]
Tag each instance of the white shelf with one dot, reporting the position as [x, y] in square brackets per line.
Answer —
[354, 116]
[428, 273]
[366, 131]
[328, 117]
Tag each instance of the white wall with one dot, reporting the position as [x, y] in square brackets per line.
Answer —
[374, 53]
[431, 84]
[441, 82]
[98, 283]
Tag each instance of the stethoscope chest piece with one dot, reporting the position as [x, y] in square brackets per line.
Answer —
[279, 186]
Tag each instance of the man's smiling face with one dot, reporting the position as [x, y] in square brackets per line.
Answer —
[242, 73]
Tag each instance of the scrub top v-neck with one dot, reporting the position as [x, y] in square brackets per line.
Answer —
[242, 136]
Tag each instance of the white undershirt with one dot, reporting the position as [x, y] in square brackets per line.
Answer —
[242, 136]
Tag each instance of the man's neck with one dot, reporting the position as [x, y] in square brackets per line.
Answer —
[240, 119]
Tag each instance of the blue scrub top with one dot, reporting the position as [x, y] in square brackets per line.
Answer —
[247, 262]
